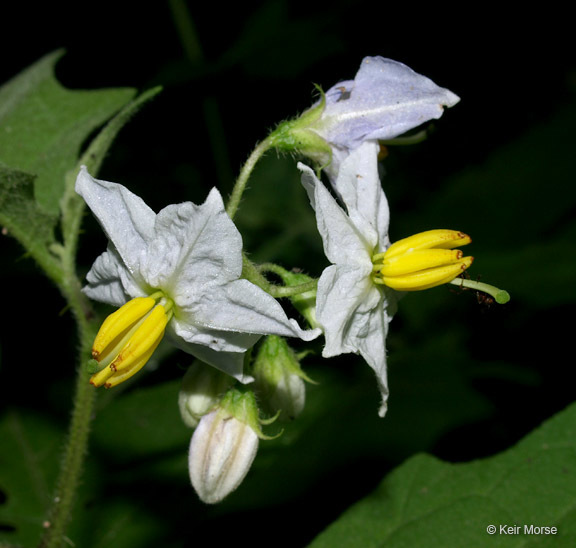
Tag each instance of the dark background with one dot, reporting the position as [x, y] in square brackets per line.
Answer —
[257, 66]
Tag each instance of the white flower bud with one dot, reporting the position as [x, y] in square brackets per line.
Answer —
[221, 453]
[202, 388]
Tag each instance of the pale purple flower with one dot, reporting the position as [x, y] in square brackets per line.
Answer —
[385, 100]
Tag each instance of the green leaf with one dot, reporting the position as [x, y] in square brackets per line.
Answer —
[43, 126]
[72, 205]
[427, 502]
[28, 465]
[22, 218]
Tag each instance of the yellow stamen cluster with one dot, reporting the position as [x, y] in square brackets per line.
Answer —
[422, 261]
[128, 337]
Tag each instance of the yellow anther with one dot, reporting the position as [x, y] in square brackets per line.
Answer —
[118, 325]
[431, 277]
[419, 260]
[146, 336]
[125, 374]
[422, 261]
[438, 239]
[127, 339]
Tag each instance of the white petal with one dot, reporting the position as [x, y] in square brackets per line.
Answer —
[194, 245]
[222, 450]
[343, 291]
[221, 349]
[240, 306]
[110, 282]
[126, 219]
[355, 317]
[371, 344]
[343, 242]
[358, 183]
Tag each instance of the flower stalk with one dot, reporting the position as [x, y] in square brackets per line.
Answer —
[245, 172]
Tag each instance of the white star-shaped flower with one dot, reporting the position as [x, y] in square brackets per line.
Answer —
[186, 261]
[357, 294]
[353, 311]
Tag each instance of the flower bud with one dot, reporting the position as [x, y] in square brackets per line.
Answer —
[223, 446]
[202, 388]
[279, 378]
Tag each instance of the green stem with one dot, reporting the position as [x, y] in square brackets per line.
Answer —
[500, 295]
[279, 291]
[253, 273]
[245, 173]
[72, 462]
[83, 407]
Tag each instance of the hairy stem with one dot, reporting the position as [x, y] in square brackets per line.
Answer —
[247, 168]
[76, 446]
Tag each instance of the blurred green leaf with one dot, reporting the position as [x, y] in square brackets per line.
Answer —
[28, 466]
[43, 126]
[426, 502]
[21, 217]
[141, 422]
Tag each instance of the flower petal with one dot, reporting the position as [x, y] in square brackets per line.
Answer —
[387, 98]
[355, 318]
[343, 293]
[110, 282]
[126, 219]
[358, 184]
[343, 242]
[229, 362]
[240, 307]
[194, 245]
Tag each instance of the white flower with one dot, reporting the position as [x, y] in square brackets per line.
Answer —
[352, 310]
[356, 296]
[185, 261]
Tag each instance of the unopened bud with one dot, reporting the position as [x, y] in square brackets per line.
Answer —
[223, 446]
[202, 388]
[279, 378]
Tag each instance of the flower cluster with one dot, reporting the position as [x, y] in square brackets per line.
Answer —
[182, 273]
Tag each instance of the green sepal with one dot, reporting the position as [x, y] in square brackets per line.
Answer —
[296, 136]
[240, 403]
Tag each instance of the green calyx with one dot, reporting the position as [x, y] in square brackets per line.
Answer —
[276, 359]
[279, 379]
[240, 403]
[297, 135]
